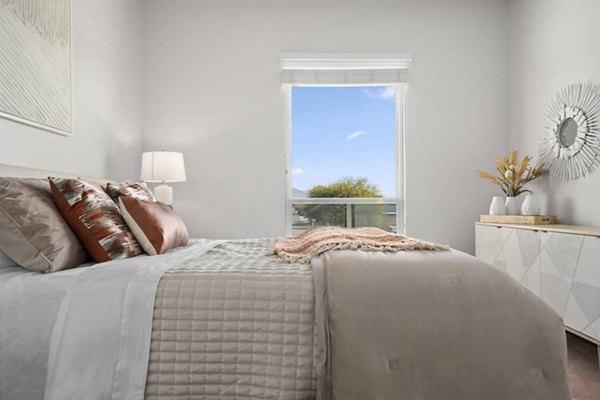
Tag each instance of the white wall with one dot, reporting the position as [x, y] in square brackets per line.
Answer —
[106, 98]
[552, 43]
[212, 91]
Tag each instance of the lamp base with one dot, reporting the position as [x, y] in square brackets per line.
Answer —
[164, 194]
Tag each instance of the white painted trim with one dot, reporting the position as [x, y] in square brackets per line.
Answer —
[287, 93]
[400, 159]
[344, 68]
[344, 61]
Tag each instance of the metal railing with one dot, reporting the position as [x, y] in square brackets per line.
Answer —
[393, 220]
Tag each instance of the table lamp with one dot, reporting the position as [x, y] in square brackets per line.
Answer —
[163, 167]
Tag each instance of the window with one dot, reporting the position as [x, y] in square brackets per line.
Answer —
[344, 159]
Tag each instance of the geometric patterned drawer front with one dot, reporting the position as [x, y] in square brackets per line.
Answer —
[521, 255]
[562, 269]
[488, 242]
[560, 252]
[582, 311]
[514, 251]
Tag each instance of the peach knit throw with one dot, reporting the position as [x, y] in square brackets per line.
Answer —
[317, 241]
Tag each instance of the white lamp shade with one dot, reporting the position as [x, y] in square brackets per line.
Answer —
[162, 166]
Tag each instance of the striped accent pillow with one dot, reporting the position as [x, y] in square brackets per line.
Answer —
[95, 218]
[139, 190]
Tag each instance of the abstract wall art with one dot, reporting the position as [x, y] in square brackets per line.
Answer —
[35, 63]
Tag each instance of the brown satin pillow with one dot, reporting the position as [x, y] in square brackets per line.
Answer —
[155, 225]
[32, 231]
[139, 190]
[95, 218]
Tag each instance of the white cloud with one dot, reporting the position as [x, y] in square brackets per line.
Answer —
[385, 93]
[356, 134]
[297, 171]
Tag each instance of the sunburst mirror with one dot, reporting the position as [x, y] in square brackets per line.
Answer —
[570, 143]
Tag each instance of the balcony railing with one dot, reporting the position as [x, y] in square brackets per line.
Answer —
[348, 212]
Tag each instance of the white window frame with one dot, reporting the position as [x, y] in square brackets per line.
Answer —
[400, 103]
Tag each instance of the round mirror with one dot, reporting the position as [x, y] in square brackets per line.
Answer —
[567, 132]
[570, 142]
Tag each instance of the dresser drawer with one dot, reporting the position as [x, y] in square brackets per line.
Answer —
[561, 267]
[570, 281]
[513, 251]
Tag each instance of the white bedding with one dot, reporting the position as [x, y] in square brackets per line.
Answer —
[58, 341]
[52, 325]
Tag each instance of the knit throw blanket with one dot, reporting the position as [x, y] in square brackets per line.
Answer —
[301, 249]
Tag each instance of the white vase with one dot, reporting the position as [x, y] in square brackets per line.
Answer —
[497, 207]
[531, 206]
[512, 206]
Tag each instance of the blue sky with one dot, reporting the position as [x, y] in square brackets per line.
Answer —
[343, 131]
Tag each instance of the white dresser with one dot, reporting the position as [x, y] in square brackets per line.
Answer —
[559, 263]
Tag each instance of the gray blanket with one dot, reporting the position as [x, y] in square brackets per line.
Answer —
[433, 325]
[234, 323]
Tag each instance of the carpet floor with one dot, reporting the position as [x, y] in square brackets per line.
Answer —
[583, 369]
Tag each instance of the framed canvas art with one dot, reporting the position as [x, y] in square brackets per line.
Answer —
[35, 71]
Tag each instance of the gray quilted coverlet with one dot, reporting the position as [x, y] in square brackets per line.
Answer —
[234, 324]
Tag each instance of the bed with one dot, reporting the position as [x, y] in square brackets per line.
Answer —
[229, 320]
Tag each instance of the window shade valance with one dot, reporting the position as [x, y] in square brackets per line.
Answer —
[344, 69]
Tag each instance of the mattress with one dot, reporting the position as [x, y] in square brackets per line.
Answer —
[234, 323]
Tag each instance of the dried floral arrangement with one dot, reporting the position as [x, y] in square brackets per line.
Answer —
[514, 174]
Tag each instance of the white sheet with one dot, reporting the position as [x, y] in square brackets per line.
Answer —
[52, 325]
